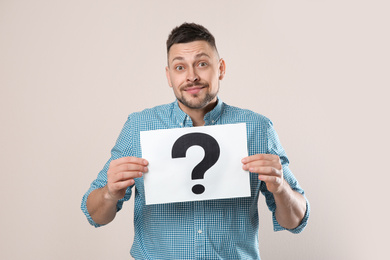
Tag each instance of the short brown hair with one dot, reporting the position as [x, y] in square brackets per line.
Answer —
[189, 32]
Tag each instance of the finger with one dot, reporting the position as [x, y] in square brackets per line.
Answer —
[270, 179]
[129, 167]
[117, 186]
[256, 157]
[266, 170]
[263, 163]
[130, 159]
[124, 176]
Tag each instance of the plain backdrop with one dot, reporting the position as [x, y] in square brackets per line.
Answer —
[71, 71]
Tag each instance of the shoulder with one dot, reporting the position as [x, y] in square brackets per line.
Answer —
[246, 115]
[157, 117]
[153, 112]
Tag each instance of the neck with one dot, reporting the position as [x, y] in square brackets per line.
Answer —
[197, 115]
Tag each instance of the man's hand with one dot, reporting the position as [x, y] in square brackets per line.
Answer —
[101, 203]
[121, 174]
[269, 169]
[290, 205]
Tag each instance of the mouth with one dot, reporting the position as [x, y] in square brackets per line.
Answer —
[194, 89]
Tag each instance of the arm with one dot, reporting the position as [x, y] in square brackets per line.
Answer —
[101, 208]
[290, 205]
[101, 203]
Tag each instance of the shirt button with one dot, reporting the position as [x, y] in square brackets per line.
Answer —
[200, 231]
[212, 121]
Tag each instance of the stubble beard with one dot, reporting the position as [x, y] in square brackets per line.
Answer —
[197, 102]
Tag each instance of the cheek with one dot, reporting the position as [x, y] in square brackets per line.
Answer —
[177, 80]
[210, 76]
[174, 82]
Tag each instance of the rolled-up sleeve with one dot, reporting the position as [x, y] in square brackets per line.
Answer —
[274, 147]
[121, 149]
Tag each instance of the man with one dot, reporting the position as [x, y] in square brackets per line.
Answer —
[211, 229]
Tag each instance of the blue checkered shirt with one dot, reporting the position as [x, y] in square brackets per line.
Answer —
[211, 229]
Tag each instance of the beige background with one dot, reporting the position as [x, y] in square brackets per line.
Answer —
[71, 71]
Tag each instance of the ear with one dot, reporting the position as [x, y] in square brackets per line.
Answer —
[168, 76]
[221, 69]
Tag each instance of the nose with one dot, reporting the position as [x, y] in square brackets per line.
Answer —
[192, 76]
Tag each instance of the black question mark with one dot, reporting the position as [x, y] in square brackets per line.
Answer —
[211, 154]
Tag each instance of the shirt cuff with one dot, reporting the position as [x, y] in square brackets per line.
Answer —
[300, 227]
[85, 210]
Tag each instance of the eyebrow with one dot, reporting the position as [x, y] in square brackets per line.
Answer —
[197, 56]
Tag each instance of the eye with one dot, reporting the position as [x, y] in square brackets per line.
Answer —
[202, 64]
[179, 68]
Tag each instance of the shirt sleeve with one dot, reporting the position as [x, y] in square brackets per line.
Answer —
[121, 149]
[274, 147]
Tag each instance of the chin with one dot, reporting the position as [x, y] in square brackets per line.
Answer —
[197, 102]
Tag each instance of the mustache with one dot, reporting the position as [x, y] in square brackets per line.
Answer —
[196, 84]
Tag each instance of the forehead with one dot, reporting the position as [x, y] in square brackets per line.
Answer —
[190, 50]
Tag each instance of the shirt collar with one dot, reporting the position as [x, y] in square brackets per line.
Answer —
[210, 118]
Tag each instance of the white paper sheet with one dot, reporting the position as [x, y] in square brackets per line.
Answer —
[171, 179]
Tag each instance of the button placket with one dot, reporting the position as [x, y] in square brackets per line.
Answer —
[199, 229]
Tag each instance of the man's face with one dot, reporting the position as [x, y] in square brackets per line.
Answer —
[194, 70]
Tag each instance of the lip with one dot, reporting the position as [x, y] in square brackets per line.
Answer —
[194, 90]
